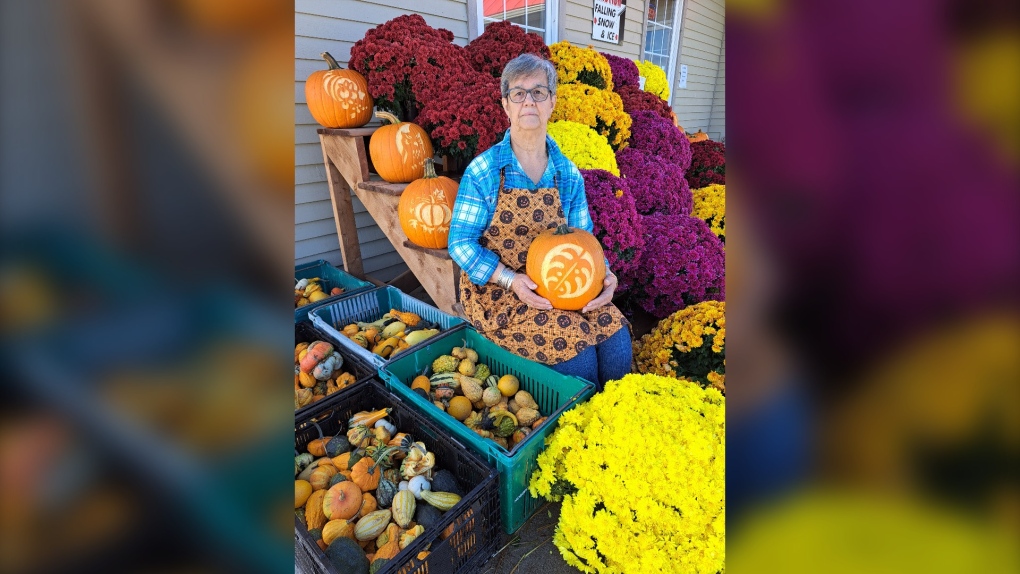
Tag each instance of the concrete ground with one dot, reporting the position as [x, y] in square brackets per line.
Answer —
[531, 549]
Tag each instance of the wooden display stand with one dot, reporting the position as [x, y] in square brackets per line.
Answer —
[345, 156]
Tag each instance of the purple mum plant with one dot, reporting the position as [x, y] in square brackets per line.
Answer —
[683, 263]
[658, 185]
[658, 136]
[625, 71]
[617, 224]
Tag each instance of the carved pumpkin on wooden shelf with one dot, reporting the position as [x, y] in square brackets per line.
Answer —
[399, 150]
[338, 98]
[426, 208]
[568, 266]
[700, 136]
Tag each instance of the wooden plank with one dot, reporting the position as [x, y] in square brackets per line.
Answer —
[440, 253]
[348, 132]
[349, 156]
[377, 185]
[343, 214]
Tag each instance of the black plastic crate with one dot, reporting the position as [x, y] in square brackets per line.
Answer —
[475, 519]
[305, 332]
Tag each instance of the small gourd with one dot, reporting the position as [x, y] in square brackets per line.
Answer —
[403, 508]
[385, 492]
[372, 525]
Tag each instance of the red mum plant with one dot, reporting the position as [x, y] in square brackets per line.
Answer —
[708, 164]
[637, 100]
[402, 59]
[464, 117]
[500, 43]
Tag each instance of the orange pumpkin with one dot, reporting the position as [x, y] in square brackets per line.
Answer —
[338, 98]
[426, 208]
[399, 150]
[568, 266]
[366, 474]
[697, 137]
[342, 500]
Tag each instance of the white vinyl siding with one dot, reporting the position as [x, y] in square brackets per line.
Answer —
[334, 26]
[702, 104]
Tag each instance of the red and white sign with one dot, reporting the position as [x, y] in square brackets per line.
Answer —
[607, 20]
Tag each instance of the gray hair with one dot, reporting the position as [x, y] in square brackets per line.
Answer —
[526, 65]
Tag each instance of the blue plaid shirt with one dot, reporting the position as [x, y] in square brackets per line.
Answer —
[479, 189]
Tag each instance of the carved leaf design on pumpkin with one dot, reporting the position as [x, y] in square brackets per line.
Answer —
[568, 270]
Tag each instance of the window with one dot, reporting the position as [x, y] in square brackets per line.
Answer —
[662, 36]
[538, 16]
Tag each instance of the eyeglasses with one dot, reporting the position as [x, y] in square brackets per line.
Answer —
[538, 94]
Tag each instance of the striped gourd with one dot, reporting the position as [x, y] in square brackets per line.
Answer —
[403, 508]
[442, 500]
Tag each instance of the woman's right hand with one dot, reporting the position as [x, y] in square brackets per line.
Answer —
[524, 287]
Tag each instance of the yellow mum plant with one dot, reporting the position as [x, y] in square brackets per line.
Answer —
[656, 80]
[601, 110]
[581, 65]
[710, 206]
[690, 344]
[584, 146]
[641, 470]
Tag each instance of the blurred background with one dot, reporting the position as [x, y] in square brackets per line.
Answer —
[146, 173]
[146, 256]
[874, 409]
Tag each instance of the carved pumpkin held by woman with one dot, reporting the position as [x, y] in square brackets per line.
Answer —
[426, 208]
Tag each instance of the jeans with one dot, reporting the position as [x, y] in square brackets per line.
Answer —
[606, 361]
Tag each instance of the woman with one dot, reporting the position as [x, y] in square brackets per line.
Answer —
[509, 194]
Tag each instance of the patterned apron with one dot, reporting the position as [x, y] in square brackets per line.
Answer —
[549, 337]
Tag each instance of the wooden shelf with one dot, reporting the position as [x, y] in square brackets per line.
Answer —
[345, 156]
[347, 132]
[376, 184]
[438, 253]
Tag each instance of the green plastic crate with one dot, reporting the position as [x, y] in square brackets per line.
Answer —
[371, 306]
[331, 277]
[554, 393]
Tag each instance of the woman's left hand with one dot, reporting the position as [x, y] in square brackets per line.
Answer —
[605, 297]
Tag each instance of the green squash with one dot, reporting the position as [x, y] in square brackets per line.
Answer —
[443, 481]
[385, 492]
[337, 446]
[427, 515]
[347, 556]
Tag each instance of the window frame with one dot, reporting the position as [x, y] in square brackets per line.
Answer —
[552, 20]
[674, 48]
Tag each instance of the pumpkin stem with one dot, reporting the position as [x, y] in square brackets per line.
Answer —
[563, 230]
[388, 117]
[333, 65]
[430, 169]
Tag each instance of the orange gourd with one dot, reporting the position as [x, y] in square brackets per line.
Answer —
[343, 500]
[366, 474]
[338, 98]
[399, 150]
[568, 266]
[426, 208]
